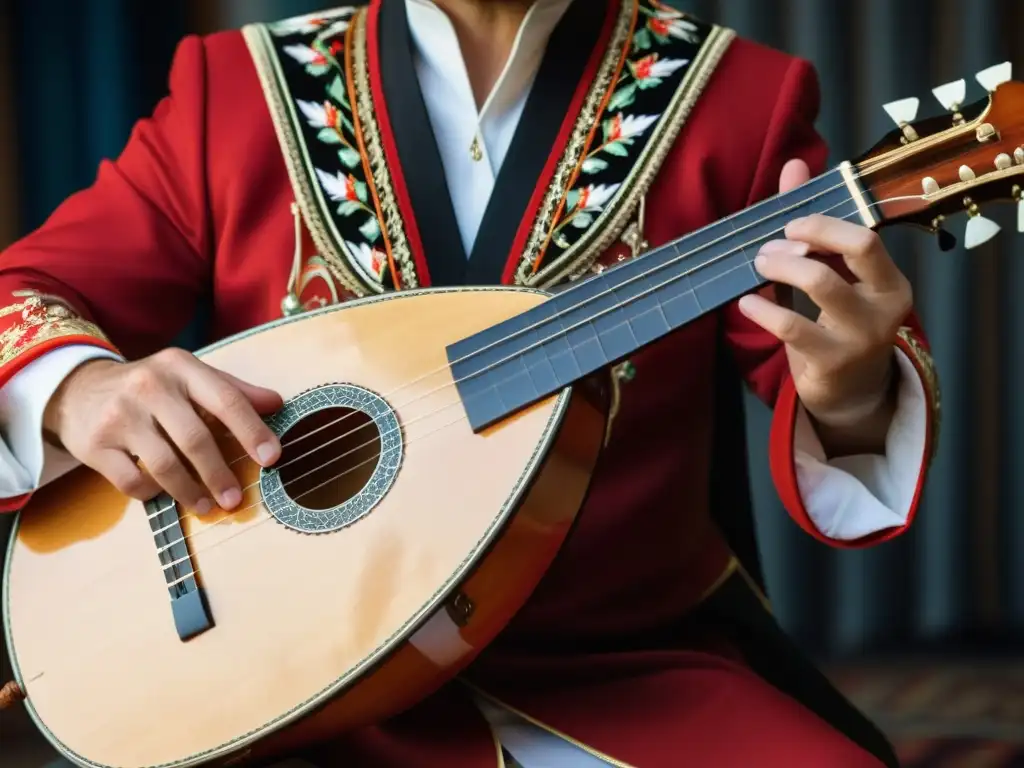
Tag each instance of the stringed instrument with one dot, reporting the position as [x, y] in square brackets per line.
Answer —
[424, 489]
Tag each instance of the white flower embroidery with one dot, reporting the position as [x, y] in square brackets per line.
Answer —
[632, 125]
[316, 114]
[593, 198]
[373, 260]
[303, 54]
[338, 186]
[651, 68]
[312, 22]
[670, 23]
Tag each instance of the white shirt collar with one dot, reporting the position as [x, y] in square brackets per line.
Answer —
[438, 49]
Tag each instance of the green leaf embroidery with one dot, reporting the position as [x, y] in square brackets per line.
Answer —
[336, 90]
[349, 207]
[560, 241]
[594, 165]
[649, 82]
[642, 40]
[329, 136]
[318, 68]
[582, 220]
[571, 199]
[607, 126]
[360, 187]
[622, 97]
[617, 148]
[371, 229]
[349, 157]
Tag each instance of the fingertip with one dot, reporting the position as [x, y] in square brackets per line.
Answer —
[268, 452]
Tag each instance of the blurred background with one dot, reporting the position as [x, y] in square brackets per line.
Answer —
[934, 620]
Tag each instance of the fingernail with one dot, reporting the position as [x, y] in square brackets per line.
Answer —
[788, 247]
[266, 452]
[230, 498]
[775, 246]
[203, 506]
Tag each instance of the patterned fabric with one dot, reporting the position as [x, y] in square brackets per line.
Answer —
[314, 72]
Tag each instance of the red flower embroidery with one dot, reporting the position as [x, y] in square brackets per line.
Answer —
[331, 115]
[350, 188]
[320, 59]
[659, 26]
[642, 67]
[581, 201]
[377, 259]
[614, 130]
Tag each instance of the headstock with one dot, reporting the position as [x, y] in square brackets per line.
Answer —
[928, 170]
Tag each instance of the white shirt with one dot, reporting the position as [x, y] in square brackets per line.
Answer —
[846, 498]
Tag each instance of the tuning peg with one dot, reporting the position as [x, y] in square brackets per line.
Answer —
[947, 240]
[992, 77]
[951, 95]
[902, 111]
[979, 229]
[1018, 195]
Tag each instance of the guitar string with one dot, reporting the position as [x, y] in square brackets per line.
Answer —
[597, 296]
[267, 517]
[366, 444]
[454, 382]
[587, 300]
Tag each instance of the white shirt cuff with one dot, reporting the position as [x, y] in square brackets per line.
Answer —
[850, 497]
[27, 462]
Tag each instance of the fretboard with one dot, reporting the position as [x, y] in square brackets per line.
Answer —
[609, 316]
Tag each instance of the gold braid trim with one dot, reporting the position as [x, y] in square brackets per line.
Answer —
[922, 360]
[363, 113]
[42, 318]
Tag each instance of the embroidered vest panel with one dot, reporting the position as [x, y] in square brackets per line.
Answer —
[317, 75]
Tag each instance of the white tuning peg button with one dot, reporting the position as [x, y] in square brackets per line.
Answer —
[979, 230]
[902, 111]
[1020, 215]
[951, 95]
[992, 77]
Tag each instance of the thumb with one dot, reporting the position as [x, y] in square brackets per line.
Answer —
[794, 173]
[263, 400]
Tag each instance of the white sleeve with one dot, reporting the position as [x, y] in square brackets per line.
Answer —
[26, 460]
[850, 497]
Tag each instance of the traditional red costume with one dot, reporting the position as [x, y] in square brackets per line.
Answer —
[648, 641]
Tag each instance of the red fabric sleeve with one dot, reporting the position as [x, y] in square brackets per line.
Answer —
[759, 355]
[123, 263]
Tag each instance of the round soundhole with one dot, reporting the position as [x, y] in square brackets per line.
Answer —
[329, 456]
[342, 447]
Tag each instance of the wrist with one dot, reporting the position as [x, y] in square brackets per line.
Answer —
[860, 425]
[55, 412]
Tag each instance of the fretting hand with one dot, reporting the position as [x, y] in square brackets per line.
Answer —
[843, 364]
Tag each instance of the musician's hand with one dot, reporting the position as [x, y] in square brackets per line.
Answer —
[843, 364]
[107, 412]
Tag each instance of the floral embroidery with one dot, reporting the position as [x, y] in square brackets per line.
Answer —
[656, 63]
[325, 125]
[642, 98]
[41, 318]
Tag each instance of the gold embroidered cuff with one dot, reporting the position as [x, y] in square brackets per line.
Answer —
[39, 319]
[922, 360]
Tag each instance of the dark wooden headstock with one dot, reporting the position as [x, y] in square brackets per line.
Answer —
[930, 169]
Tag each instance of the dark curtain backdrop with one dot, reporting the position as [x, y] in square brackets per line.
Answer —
[81, 71]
